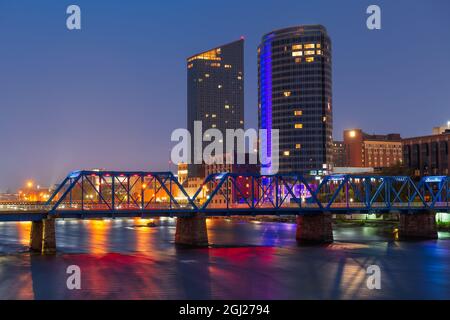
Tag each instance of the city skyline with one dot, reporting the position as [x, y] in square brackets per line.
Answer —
[130, 99]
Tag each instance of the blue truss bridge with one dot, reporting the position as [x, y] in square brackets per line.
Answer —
[110, 194]
[84, 194]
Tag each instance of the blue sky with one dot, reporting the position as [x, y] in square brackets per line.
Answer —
[110, 95]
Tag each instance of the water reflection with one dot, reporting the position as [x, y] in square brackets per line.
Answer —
[127, 259]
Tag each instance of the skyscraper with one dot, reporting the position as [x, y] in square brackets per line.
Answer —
[215, 91]
[295, 96]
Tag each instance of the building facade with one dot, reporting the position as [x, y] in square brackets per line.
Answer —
[215, 93]
[376, 151]
[428, 155]
[339, 154]
[295, 96]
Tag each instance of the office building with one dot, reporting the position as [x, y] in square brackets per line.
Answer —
[295, 96]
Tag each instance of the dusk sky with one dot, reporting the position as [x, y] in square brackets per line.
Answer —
[109, 95]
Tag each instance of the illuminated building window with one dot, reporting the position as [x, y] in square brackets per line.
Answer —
[190, 65]
[298, 60]
[298, 146]
[309, 46]
[219, 86]
[206, 115]
[309, 52]
[298, 126]
[213, 126]
[213, 116]
[206, 75]
[215, 64]
[297, 47]
[297, 53]
[227, 66]
[239, 78]
[200, 80]
[286, 153]
[227, 106]
[241, 122]
[318, 45]
[319, 52]
[298, 112]
[310, 59]
[209, 55]
[324, 119]
[287, 93]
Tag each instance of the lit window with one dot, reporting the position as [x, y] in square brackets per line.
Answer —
[227, 66]
[298, 112]
[213, 126]
[319, 52]
[287, 93]
[297, 53]
[298, 146]
[298, 60]
[309, 52]
[286, 153]
[241, 122]
[309, 46]
[324, 119]
[206, 75]
[215, 64]
[310, 59]
[297, 47]
[219, 86]
[298, 125]
[239, 78]
[190, 65]
[318, 46]
[213, 116]
[227, 106]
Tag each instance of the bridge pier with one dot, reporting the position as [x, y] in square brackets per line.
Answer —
[42, 236]
[314, 228]
[418, 225]
[192, 231]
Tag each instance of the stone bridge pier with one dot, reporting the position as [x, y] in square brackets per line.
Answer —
[314, 227]
[192, 231]
[42, 236]
[418, 225]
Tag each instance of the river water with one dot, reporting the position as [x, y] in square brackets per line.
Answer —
[126, 259]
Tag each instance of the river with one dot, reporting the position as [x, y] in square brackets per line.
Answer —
[126, 259]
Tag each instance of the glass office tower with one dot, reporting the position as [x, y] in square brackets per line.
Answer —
[215, 92]
[295, 96]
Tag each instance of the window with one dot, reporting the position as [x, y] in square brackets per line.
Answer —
[309, 52]
[219, 86]
[297, 47]
[287, 93]
[213, 116]
[298, 126]
[318, 46]
[206, 75]
[213, 126]
[297, 53]
[310, 59]
[227, 106]
[298, 60]
[298, 112]
[309, 46]
[227, 66]
[319, 52]
[298, 146]
[286, 153]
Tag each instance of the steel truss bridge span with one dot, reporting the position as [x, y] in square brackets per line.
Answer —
[96, 194]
